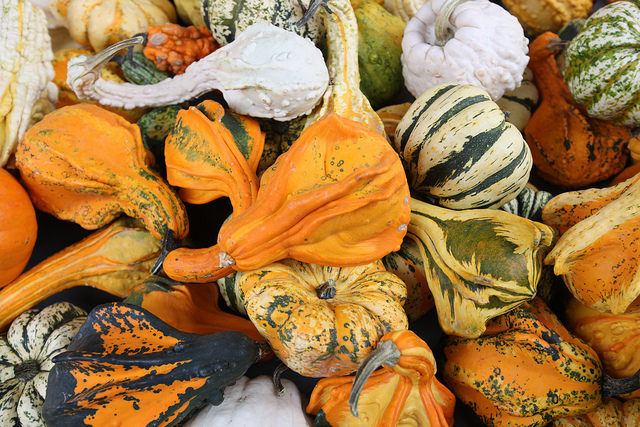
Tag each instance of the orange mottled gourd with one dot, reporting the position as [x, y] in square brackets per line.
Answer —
[395, 385]
[18, 227]
[570, 149]
[323, 321]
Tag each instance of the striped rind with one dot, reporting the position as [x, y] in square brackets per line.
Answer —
[603, 64]
[457, 147]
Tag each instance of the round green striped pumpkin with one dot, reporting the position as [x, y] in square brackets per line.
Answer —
[603, 63]
[457, 147]
[228, 18]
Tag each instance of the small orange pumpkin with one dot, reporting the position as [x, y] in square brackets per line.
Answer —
[18, 227]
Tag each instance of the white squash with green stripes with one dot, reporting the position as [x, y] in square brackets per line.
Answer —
[519, 104]
[26, 353]
[457, 147]
[603, 63]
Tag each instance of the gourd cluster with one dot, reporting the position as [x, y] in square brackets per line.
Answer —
[373, 173]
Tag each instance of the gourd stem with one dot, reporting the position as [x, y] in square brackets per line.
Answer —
[327, 290]
[169, 243]
[443, 33]
[617, 386]
[26, 370]
[277, 373]
[314, 5]
[386, 353]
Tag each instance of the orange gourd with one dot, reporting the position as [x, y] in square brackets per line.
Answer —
[114, 259]
[570, 149]
[88, 165]
[611, 412]
[395, 385]
[173, 47]
[18, 227]
[337, 197]
[597, 253]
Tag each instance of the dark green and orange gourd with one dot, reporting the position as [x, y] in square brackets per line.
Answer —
[88, 165]
[126, 365]
[526, 370]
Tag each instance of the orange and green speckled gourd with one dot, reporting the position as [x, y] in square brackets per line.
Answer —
[395, 385]
[526, 370]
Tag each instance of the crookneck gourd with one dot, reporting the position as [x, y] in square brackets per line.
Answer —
[602, 63]
[26, 353]
[211, 152]
[457, 147]
[323, 321]
[113, 259]
[88, 165]
[526, 370]
[126, 365]
[395, 385]
[266, 72]
[597, 252]
[18, 227]
[479, 263]
[577, 150]
[338, 197]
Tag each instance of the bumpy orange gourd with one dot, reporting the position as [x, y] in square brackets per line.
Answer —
[570, 149]
[88, 165]
[337, 197]
[173, 47]
[18, 227]
[403, 391]
[597, 254]
[323, 321]
[610, 413]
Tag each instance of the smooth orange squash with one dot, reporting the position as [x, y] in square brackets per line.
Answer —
[114, 259]
[190, 307]
[597, 256]
[88, 165]
[18, 227]
[337, 197]
[211, 153]
[395, 385]
[570, 149]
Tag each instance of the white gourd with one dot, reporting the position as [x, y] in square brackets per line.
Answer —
[26, 73]
[480, 44]
[265, 72]
[255, 402]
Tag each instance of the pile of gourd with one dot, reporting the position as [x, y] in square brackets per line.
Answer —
[371, 172]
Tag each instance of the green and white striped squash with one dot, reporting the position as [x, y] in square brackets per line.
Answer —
[518, 104]
[528, 203]
[457, 147]
[26, 350]
[228, 18]
[603, 64]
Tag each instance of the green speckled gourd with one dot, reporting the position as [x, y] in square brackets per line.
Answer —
[603, 63]
[228, 18]
[379, 51]
[457, 147]
[26, 352]
[526, 370]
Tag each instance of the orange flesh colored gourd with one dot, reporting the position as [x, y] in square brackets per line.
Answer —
[203, 157]
[85, 164]
[337, 197]
[402, 394]
[598, 256]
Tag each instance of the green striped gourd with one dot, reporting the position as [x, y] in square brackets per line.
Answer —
[228, 18]
[26, 352]
[457, 147]
[479, 263]
[518, 104]
[528, 203]
[603, 63]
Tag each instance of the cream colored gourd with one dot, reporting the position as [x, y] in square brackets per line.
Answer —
[250, 400]
[265, 72]
[100, 23]
[518, 104]
[457, 41]
[405, 9]
[27, 92]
